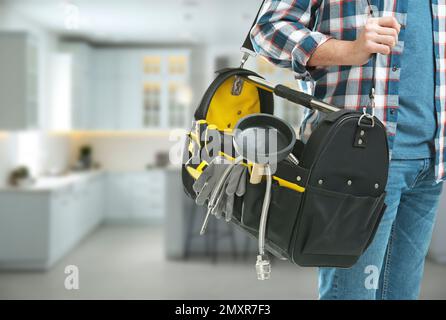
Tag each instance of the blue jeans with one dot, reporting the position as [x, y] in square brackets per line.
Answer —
[392, 266]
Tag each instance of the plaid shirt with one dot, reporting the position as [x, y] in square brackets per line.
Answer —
[289, 31]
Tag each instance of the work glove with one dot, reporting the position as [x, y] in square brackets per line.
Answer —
[206, 183]
[236, 187]
[235, 184]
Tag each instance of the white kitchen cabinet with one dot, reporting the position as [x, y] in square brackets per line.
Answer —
[81, 93]
[148, 195]
[130, 94]
[75, 211]
[173, 81]
[23, 229]
[18, 81]
[105, 90]
[117, 92]
[135, 197]
[129, 116]
[103, 111]
[118, 197]
[63, 222]
[128, 85]
[39, 226]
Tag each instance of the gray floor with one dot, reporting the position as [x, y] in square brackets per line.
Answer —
[128, 263]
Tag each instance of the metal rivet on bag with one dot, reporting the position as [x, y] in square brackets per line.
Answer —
[349, 182]
[376, 186]
[320, 181]
[362, 133]
[298, 178]
[360, 141]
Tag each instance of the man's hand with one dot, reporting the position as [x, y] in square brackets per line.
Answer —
[379, 35]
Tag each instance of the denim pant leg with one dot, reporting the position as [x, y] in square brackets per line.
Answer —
[362, 280]
[410, 238]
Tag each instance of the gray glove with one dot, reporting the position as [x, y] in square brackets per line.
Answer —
[235, 184]
[208, 180]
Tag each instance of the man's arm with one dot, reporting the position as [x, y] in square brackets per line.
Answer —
[283, 34]
[379, 35]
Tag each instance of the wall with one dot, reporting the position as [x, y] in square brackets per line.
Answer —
[6, 161]
[52, 153]
[123, 151]
[43, 153]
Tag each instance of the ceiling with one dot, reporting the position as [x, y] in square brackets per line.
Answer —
[160, 21]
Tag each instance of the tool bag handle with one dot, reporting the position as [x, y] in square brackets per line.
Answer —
[303, 99]
[295, 96]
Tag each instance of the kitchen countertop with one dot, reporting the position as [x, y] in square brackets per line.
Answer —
[49, 184]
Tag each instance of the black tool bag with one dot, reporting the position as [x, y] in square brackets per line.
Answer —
[332, 220]
[325, 210]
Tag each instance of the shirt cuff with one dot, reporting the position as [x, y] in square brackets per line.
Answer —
[303, 51]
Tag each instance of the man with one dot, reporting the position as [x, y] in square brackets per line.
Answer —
[398, 47]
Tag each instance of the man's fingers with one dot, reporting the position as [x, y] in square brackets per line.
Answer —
[374, 47]
[389, 22]
[387, 40]
[387, 32]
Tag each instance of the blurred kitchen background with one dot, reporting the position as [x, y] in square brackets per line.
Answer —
[92, 93]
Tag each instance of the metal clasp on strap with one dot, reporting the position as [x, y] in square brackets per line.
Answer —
[245, 57]
[237, 86]
[367, 115]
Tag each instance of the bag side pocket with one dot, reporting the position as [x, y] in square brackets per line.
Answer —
[252, 205]
[282, 214]
[335, 223]
[284, 210]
